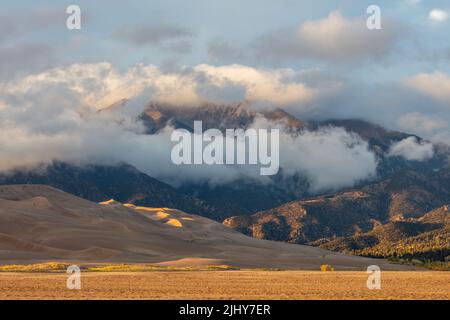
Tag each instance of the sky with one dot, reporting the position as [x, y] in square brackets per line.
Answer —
[190, 31]
[316, 59]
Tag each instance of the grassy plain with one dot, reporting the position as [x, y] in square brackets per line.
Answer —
[227, 285]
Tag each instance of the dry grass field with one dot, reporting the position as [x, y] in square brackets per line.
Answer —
[242, 284]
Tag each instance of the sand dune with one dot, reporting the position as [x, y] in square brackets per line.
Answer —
[40, 223]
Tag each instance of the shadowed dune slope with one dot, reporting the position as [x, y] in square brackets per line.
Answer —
[40, 223]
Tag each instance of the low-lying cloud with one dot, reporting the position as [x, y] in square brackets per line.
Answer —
[55, 116]
[330, 157]
[412, 149]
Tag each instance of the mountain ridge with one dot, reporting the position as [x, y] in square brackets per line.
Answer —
[338, 222]
[284, 209]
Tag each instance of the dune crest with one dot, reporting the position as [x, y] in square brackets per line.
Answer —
[162, 215]
[111, 202]
[174, 223]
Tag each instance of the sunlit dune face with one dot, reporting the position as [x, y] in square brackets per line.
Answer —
[140, 208]
[160, 215]
[174, 223]
[145, 209]
[156, 214]
[109, 202]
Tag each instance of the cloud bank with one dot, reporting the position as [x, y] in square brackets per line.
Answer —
[55, 115]
[101, 85]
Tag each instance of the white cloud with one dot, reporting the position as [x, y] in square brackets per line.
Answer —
[412, 149]
[53, 116]
[436, 85]
[101, 85]
[330, 157]
[438, 15]
[278, 87]
[332, 38]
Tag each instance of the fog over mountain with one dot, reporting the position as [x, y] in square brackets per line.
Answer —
[93, 114]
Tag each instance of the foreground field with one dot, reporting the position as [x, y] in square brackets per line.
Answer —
[226, 285]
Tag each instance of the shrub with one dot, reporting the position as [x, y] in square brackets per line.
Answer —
[326, 267]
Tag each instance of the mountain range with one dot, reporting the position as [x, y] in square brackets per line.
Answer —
[381, 211]
[366, 219]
